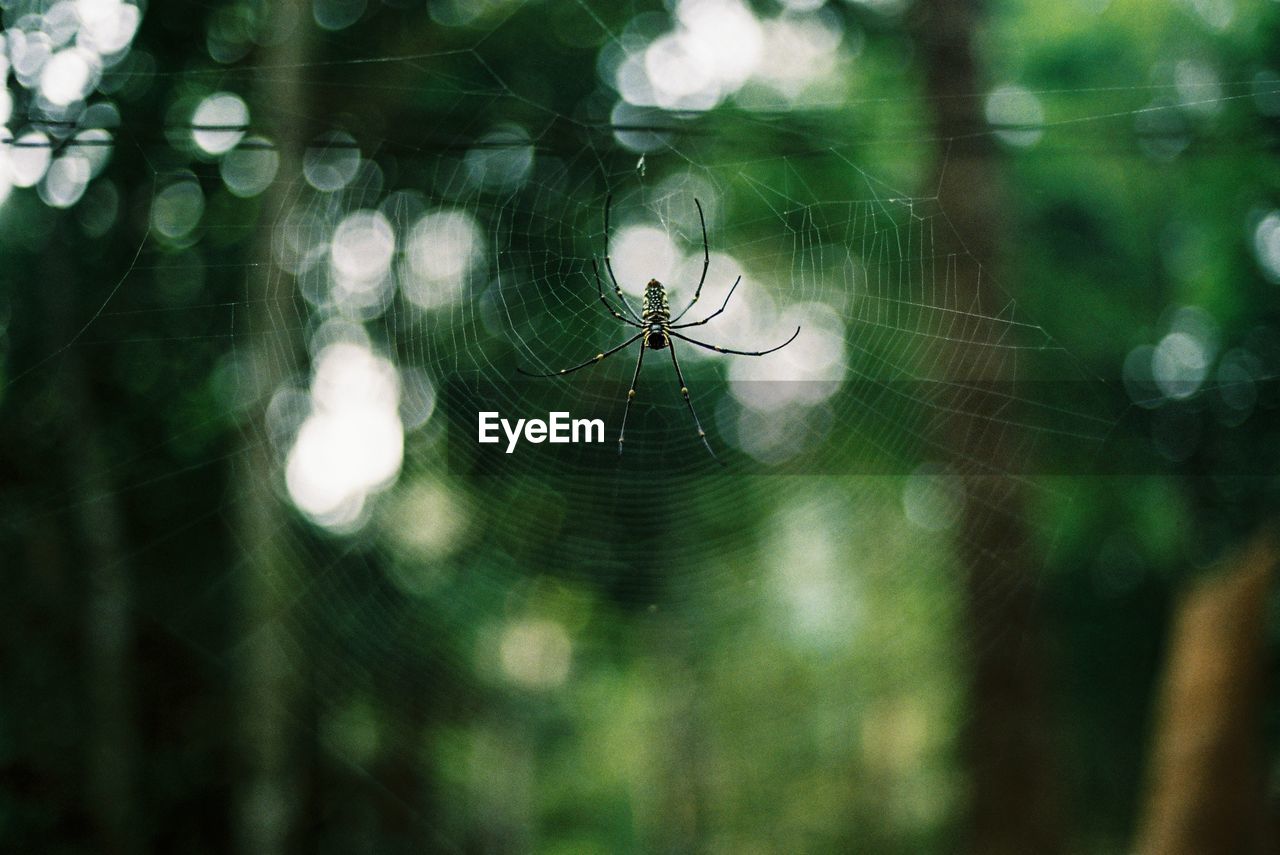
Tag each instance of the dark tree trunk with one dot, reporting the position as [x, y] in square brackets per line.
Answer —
[1013, 806]
[108, 595]
[269, 672]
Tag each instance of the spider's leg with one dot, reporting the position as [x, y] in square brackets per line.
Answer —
[631, 393]
[716, 312]
[684, 392]
[718, 349]
[592, 361]
[600, 290]
[706, 262]
[608, 262]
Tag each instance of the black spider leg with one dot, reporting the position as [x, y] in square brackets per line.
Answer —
[631, 394]
[608, 262]
[684, 391]
[713, 314]
[706, 262]
[592, 361]
[600, 290]
[718, 349]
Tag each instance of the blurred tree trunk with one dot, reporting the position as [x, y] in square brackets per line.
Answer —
[108, 636]
[108, 616]
[1013, 806]
[1206, 789]
[270, 673]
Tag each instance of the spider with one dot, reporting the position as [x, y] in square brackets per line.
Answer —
[657, 327]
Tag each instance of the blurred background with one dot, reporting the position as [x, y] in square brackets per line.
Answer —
[985, 564]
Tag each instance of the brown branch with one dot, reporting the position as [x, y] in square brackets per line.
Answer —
[1205, 790]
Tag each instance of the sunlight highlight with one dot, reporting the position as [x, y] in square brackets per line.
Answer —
[716, 48]
[68, 76]
[1016, 114]
[219, 122]
[933, 499]
[331, 162]
[442, 251]
[250, 167]
[360, 254]
[6, 175]
[29, 157]
[177, 209]
[1266, 245]
[641, 253]
[65, 181]
[502, 158]
[351, 445]
[821, 603]
[107, 26]
[806, 372]
[59, 54]
[799, 52]
[536, 653]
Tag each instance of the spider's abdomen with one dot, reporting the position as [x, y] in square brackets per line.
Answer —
[655, 303]
[656, 315]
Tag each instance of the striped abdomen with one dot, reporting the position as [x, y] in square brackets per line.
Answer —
[656, 315]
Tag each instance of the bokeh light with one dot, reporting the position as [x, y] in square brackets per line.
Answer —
[58, 52]
[1179, 365]
[360, 255]
[250, 167]
[219, 122]
[336, 15]
[933, 499]
[1199, 87]
[428, 522]
[806, 372]
[352, 442]
[29, 157]
[6, 174]
[177, 209]
[94, 147]
[107, 26]
[821, 602]
[501, 159]
[799, 52]
[68, 76]
[715, 49]
[443, 250]
[65, 181]
[640, 253]
[1266, 245]
[332, 162]
[1017, 115]
[536, 653]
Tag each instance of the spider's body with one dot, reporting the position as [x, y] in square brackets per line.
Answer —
[656, 316]
[657, 329]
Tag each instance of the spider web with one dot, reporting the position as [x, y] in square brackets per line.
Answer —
[423, 271]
